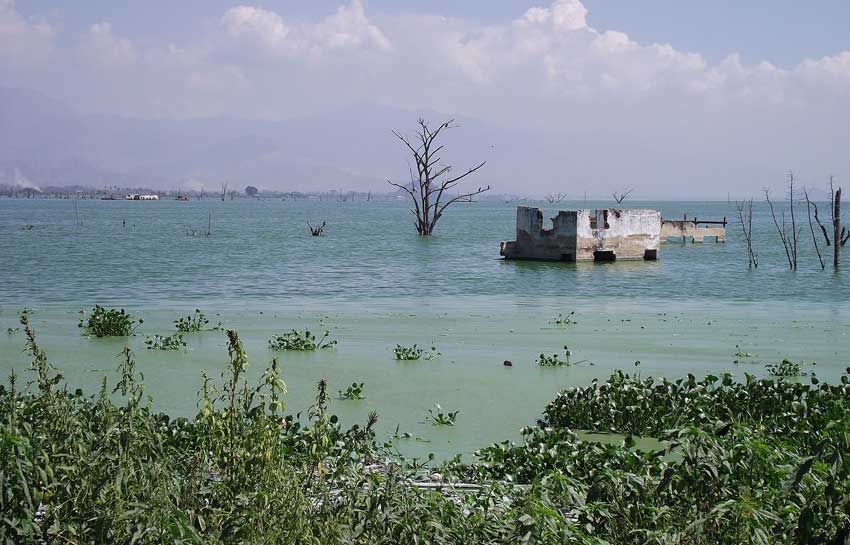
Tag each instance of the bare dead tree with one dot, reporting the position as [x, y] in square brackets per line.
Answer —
[223, 190]
[430, 187]
[840, 235]
[809, 206]
[622, 195]
[745, 215]
[317, 231]
[556, 197]
[789, 239]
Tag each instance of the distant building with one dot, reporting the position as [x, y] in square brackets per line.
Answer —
[607, 234]
[137, 197]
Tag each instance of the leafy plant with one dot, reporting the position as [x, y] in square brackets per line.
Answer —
[555, 360]
[193, 323]
[353, 392]
[170, 342]
[300, 340]
[103, 322]
[13, 330]
[437, 417]
[410, 353]
[560, 319]
[785, 368]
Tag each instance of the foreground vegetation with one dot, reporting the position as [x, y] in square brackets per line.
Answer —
[759, 461]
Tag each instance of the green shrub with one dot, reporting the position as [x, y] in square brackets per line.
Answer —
[102, 322]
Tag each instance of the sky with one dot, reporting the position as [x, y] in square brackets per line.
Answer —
[762, 82]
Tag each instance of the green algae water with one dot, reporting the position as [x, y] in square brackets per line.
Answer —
[372, 282]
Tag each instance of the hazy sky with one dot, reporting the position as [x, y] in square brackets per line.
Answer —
[772, 75]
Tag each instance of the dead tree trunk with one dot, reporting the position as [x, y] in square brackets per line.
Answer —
[786, 239]
[429, 188]
[745, 215]
[837, 232]
[809, 206]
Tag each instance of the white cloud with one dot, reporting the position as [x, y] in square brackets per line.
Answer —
[102, 47]
[23, 42]
[346, 30]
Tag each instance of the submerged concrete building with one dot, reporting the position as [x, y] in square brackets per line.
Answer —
[607, 234]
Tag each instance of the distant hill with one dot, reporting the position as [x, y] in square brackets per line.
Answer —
[351, 149]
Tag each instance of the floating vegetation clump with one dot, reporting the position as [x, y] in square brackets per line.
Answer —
[193, 323]
[300, 340]
[103, 322]
[555, 360]
[411, 353]
[785, 368]
[437, 417]
[12, 330]
[170, 342]
[353, 392]
[560, 319]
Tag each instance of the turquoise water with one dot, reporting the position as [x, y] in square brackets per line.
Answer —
[373, 283]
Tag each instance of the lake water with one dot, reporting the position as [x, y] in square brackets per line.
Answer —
[373, 283]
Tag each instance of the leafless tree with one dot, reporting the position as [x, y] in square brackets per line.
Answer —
[556, 197]
[622, 195]
[840, 235]
[789, 239]
[809, 206]
[430, 187]
[317, 231]
[223, 190]
[745, 215]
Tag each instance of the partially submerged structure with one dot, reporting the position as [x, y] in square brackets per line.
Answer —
[607, 234]
[690, 229]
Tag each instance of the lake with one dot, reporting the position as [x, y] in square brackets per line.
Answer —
[373, 283]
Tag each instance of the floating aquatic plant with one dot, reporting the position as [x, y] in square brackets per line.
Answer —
[785, 368]
[170, 342]
[410, 353]
[560, 319]
[353, 392]
[300, 340]
[194, 322]
[437, 417]
[103, 322]
[555, 360]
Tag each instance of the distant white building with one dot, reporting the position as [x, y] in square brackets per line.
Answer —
[137, 197]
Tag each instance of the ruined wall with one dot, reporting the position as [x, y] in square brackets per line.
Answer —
[582, 235]
[622, 233]
[534, 241]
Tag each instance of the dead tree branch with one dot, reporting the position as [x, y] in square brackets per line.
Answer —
[556, 197]
[432, 183]
[622, 195]
[317, 231]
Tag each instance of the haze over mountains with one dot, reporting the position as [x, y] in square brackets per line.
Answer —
[47, 142]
